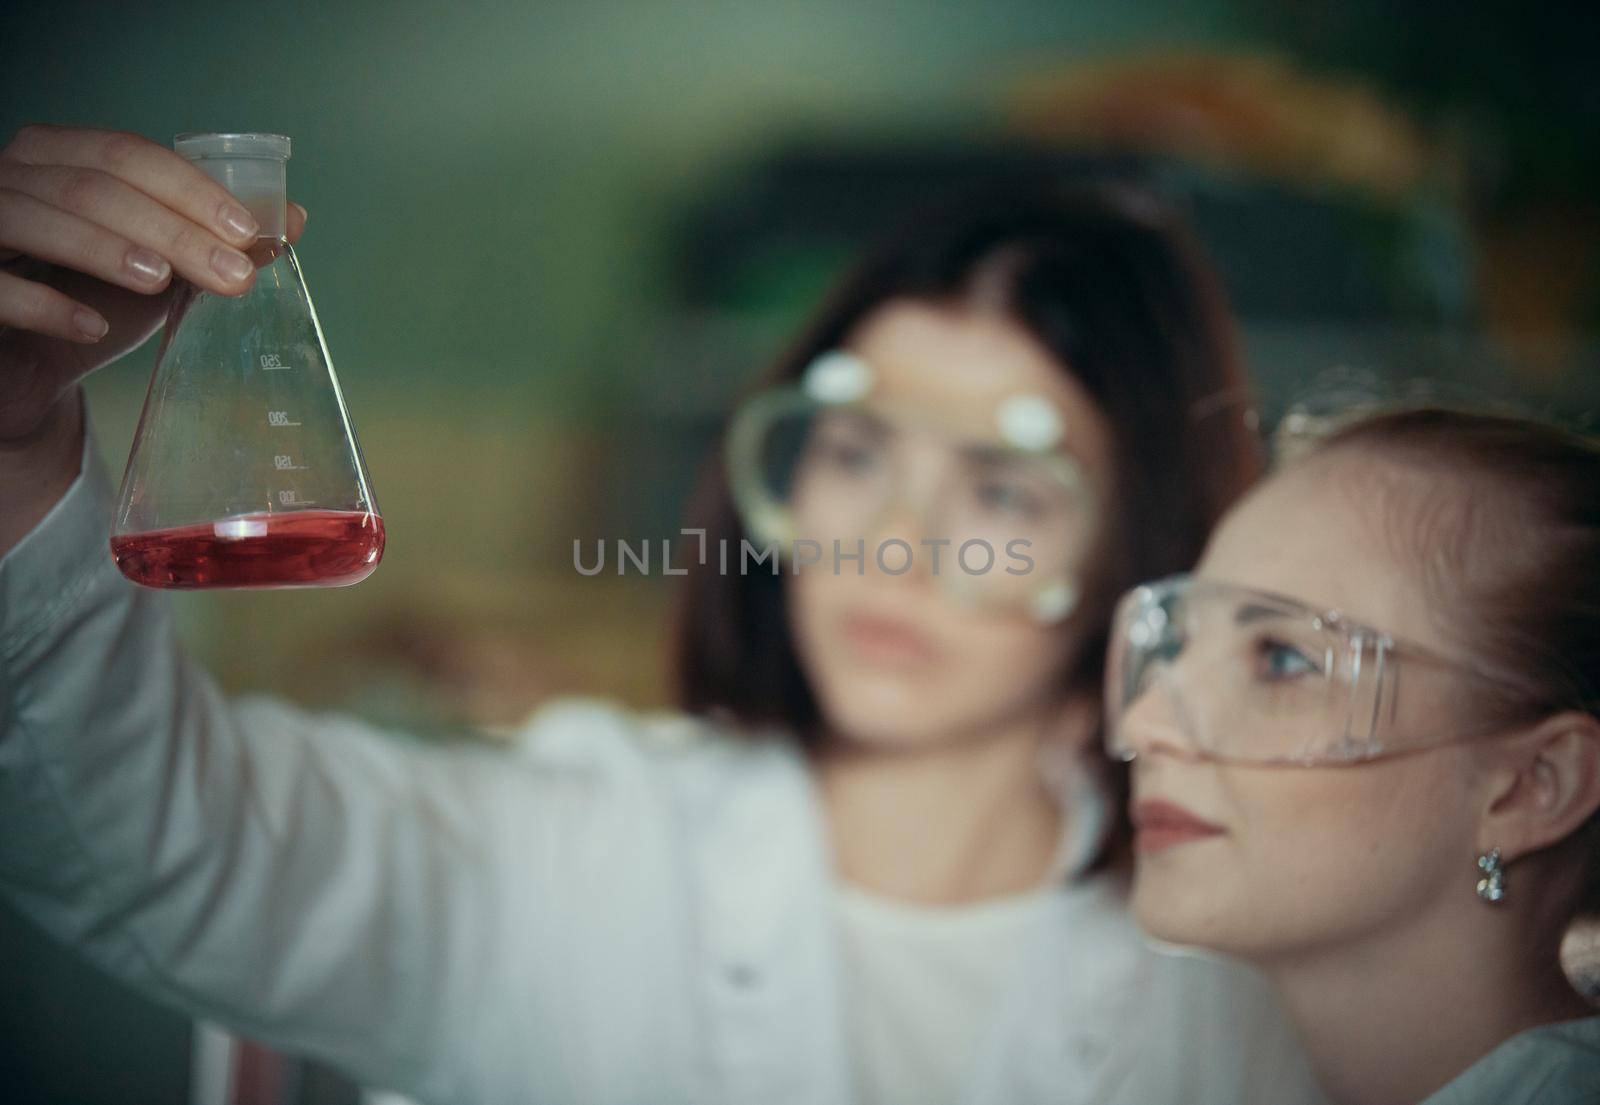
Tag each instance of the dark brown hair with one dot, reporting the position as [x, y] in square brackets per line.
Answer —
[1523, 589]
[1113, 285]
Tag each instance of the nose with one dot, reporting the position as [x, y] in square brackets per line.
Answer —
[902, 520]
[909, 515]
[1155, 722]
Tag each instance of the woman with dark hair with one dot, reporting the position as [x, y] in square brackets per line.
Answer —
[1401, 824]
[870, 859]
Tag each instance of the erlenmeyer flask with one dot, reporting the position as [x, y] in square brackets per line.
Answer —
[245, 470]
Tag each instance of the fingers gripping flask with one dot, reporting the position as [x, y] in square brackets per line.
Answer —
[245, 471]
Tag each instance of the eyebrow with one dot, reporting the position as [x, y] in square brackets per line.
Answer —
[982, 453]
[855, 420]
[1255, 612]
[993, 456]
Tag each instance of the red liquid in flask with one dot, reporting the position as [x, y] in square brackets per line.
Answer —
[304, 548]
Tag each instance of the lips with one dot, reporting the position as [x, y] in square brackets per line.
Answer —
[889, 642]
[1159, 824]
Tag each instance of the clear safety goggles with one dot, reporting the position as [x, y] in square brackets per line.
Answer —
[1001, 516]
[1230, 673]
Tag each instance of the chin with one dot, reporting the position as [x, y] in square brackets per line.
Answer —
[886, 712]
[1176, 912]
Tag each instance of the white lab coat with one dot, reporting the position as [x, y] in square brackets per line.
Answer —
[623, 908]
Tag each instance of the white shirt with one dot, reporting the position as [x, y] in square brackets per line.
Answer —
[1553, 1064]
[924, 987]
[624, 908]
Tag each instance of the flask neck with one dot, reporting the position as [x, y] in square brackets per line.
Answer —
[258, 184]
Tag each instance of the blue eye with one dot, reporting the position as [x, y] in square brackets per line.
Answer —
[1278, 662]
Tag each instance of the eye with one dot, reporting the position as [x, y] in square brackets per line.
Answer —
[846, 449]
[1009, 497]
[848, 456]
[1277, 661]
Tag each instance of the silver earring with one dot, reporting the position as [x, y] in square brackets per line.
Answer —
[1492, 887]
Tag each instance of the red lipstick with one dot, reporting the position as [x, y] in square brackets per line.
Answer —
[1159, 824]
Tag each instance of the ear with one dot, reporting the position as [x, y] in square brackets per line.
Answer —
[1544, 786]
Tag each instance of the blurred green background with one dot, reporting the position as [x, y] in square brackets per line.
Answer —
[549, 242]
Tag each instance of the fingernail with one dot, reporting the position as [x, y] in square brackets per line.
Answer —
[304, 215]
[146, 266]
[88, 324]
[240, 221]
[230, 264]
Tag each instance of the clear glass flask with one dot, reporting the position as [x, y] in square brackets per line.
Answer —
[245, 471]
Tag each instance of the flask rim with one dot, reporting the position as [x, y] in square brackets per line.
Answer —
[198, 145]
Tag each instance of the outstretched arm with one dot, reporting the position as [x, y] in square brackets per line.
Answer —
[302, 878]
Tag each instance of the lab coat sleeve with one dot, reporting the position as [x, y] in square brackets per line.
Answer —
[304, 879]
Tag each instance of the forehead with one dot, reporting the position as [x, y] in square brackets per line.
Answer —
[1334, 535]
[959, 365]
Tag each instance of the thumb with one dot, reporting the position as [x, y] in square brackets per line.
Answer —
[297, 222]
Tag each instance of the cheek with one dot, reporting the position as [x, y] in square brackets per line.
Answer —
[1313, 857]
[808, 600]
[1345, 845]
[1002, 665]
[988, 669]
